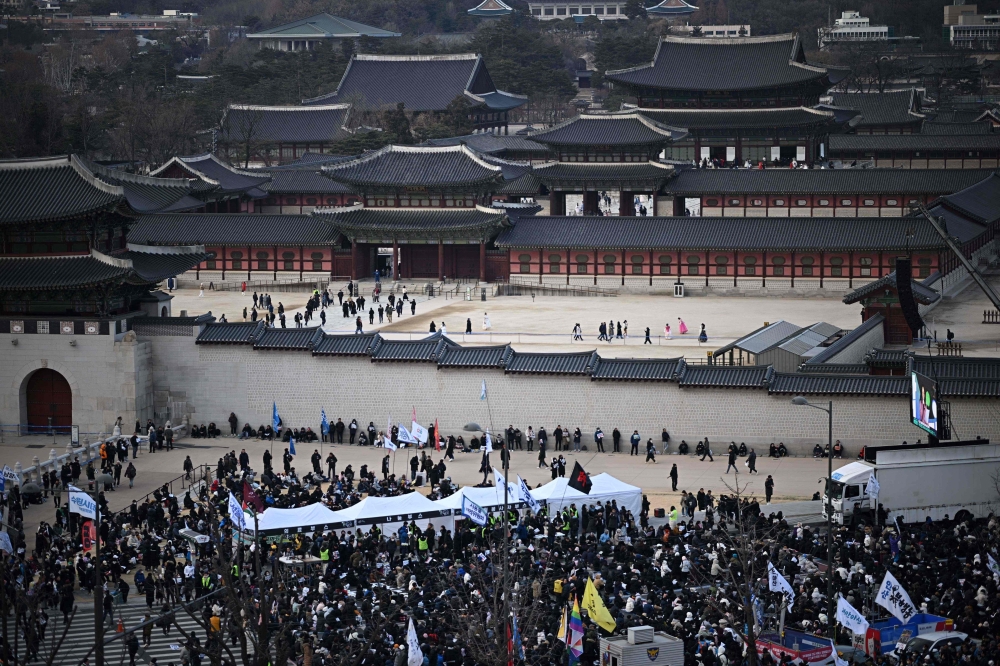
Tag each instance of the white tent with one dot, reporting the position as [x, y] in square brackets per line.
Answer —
[389, 513]
[487, 498]
[300, 520]
[557, 494]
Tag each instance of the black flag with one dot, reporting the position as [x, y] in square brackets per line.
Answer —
[579, 480]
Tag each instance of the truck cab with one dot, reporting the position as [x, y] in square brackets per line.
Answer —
[845, 494]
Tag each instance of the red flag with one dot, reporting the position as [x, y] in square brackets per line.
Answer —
[437, 436]
[251, 498]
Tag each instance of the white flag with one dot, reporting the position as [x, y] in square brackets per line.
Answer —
[527, 497]
[473, 511]
[777, 583]
[236, 513]
[893, 598]
[498, 477]
[872, 488]
[5, 544]
[482, 391]
[489, 443]
[83, 504]
[405, 436]
[387, 443]
[992, 564]
[11, 475]
[849, 617]
[414, 656]
[419, 433]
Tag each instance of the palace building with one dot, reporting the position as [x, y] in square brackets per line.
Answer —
[222, 188]
[423, 84]
[270, 135]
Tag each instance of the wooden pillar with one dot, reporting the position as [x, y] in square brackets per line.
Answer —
[569, 263]
[736, 267]
[557, 203]
[541, 263]
[354, 260]
[708, 268]
[590, 203]
[395, 259]
[881, 265]
[650, 268]
[763, 270]
[223, 262]
[249, 261]
[793, 270]
[275, 262]
[623, 267]
[850, 269]
[440, 260]
[595, 267]
[822, 268]
[626, 204]
[302, 263]
[482, 261]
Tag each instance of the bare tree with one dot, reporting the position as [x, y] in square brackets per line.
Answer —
[241, 133]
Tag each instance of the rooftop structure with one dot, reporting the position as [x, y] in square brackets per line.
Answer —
[225, 188]
[559, 10]
[713, 30]
[307, 33]
[490, 9]
[895, 112]
[671, 9]
[280, 134]
[852, 27]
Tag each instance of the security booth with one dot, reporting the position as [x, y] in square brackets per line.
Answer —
[642, 645]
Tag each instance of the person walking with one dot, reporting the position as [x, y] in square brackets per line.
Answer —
[703, 335]
[673, 478]
[130, 473]
[681, 326]
[707, 451]
[577, 332]
[650, 451]
[647, 341]
[635, 439]
[732, 460]
[752, 461]
[768, 489]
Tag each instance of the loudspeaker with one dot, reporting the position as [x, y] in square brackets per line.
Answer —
[904, 287]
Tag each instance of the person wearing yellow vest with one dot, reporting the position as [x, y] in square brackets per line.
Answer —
[422, 545]
[673, 518]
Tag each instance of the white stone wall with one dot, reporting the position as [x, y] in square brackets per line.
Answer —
[108, 379]
[215, 380]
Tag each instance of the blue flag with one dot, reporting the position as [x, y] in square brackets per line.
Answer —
[324, 424]
[275, 419]
[291, 446]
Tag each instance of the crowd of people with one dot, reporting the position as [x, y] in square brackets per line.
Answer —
[680, 575]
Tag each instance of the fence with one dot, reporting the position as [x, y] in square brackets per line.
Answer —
[526, 289]
[949, 349]
[589, 341]
[991, 316]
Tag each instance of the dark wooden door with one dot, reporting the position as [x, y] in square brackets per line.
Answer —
[49, 396]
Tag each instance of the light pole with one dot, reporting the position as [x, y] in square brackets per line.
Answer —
[830, 603]
[100, 481]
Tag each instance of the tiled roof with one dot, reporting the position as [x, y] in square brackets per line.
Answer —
[878, 109]
[428, 350]
[921, 294]
[951, 388]
[53, 188]
[488, 143]
[835, 368]
[809, 338]
[608, 129]
[226, 179]
[938, 129]
[312, 160]
[31, 273]
[358, 222]
[157, 266]
[475, 357]
[322, 26]
[714, 233]
[235, 333]
[910, 142]
[806, 383]
[527, 184]
[730, 118]
[288, 338]
[237, 229]
[580, 363]
[285, 124]
[347, 345]
[824, 181]
[957, 368]
[887, 358]
[490, 8]
[724, 376]
[599, 172]
[762, 339]
[981, 201]
[671, 8]
[846, 341]
[303, 181]
[145, 194]
[415, 166]
[421, 83]
[732, 64]
[637, 369]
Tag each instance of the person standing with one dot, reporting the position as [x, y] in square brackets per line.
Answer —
[130, 473]
[707, 451]
[616, 441]
[647, 341]
[752, 462]
[732, 460]
[768, 489]
[599, 439]
[635, 439]
[673, 478]
[331, 465]
[558, 432]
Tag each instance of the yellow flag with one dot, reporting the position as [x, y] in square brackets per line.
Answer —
[596, 609]
[563, 627]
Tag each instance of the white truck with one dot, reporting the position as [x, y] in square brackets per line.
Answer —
[954, 480]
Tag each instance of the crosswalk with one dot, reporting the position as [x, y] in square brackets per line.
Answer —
[80, 637]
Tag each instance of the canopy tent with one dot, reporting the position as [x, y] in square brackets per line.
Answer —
[557, 494]
[489, 498]
[390, 513]
[300, 520]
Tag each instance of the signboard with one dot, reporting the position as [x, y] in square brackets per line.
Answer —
[800, 153]
[74, 435]
[923, 403]
[89, 534]
[799, 646]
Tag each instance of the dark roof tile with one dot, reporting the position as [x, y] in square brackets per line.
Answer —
[939, 129]
[806, 383]
[31, 273]
[744, 118]
[980, 202]
[878, 109]
[912, 142]
[637, 369]
[595, 173]
[297, 339]
[347, 345]
[146, 194]
[731, 64]
[237, 229]
[608, 129]
[416, 166]
[846, 341]
[427, 350]
[53, 188]
[285, 124]
[580, 363]
[957, 368]
[475, 357]
[824, 181]
[157, 266]
[921, 293]
[720, 376]
[488, 143]
[236, 333]
[215, 172]
[303, 181]
[372, 224]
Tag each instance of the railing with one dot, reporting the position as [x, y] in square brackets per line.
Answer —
[543, 289]
[948, 348]
[991, 316]
[200, 474]
[590, 338]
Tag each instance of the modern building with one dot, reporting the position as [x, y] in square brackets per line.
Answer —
[713, 30]
[71, 285]
[600, 152]
[138, 23]
[423, 84]
[271, 135]
[558, 10]
[851, 28]
[980, 32]
[306, 34]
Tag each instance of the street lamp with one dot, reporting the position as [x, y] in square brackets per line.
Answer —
[830, 603]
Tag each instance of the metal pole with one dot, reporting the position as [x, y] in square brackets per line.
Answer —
[506, 547]
[98, 583]
[830, 603]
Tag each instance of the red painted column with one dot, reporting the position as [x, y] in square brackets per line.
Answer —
[354, 260]
[440, 260]
[626, 204]
[395, 259]
[482, 261]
